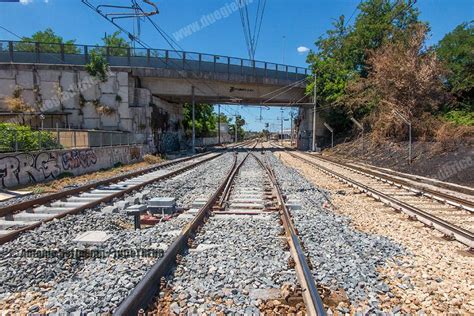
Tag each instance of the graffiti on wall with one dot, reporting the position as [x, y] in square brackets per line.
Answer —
[135, 153]
[28, 168]
[78, 158]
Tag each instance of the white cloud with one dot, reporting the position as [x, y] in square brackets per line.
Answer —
[25, 2]
[302, 49]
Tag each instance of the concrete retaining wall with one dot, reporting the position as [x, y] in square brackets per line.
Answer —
[28, 168]
[72, 92]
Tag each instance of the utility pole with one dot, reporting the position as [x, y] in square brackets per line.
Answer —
[194, 118]
[283, 51]
[281, 118]
[314, 115]
[218, 124]
[235, 129]
[291, 137]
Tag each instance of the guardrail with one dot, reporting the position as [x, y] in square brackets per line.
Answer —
[49, 139]
[72, 54]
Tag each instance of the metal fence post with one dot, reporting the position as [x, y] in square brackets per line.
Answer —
[39, 140]
[62, 52]
[107, 54]
[128, 57]
[111, 138]
[16, 140]
[37, 52]
[10, 50]
[200, 61]
[148, 57]
[86, 54]
[228, 68]
[184, 60]
[57, 135]
[101, 141]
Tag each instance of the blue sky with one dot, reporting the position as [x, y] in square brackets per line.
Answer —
[299, 21]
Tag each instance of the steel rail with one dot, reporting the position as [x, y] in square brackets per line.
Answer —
[7, 210]
[146, 289]
[313, 302]
[430, 193]
[462, 235]
[15, 233]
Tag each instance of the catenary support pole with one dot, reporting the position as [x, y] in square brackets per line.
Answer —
[194, 117]
[281, 127]
[314, 116]
[218, 124]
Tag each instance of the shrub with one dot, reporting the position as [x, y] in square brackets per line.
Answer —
[97, 66]
[28, 140]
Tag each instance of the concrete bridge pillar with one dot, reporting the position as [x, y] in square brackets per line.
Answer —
[305, 128]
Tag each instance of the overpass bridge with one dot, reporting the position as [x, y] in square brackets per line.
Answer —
[169, 74]
[50, 78]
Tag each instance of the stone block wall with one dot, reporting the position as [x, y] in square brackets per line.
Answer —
[69, 89]
[18, 169]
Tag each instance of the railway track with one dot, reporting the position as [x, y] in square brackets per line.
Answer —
[248, 199]
[445, 212]
[21, 217]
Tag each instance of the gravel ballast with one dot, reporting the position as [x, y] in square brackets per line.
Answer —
[345, 260]
[96, 284]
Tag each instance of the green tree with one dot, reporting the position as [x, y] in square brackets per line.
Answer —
[341, 54]
[205, 120]
[118, 46]
[240, 130]
[456, 51]
[48, 43]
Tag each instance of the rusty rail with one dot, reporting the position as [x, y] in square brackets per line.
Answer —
[313, 302]
[15, 233]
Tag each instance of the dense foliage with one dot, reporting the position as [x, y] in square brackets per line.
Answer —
[205, 120]
[49, 41]
[380, 63]
[456, 50]
[27, 139]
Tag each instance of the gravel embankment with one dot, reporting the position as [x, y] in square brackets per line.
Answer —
[100, 284]
[345, 260]
[434, 276]
[236, 256]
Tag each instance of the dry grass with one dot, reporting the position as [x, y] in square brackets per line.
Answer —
[59, 184]
[17, 105]
[449, 136]
[152, 159]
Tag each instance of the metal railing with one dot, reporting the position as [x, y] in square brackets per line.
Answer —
[72, 54]
[12, 140]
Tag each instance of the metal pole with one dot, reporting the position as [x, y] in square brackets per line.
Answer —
[291, 135]
[409, 143]
[219, 124]
[235, 128]
[16, 140]
[281, 127]
[57, 135]
[332, 139]
[194, 117]
[314, 116]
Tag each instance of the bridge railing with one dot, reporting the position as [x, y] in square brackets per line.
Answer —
[72, 54]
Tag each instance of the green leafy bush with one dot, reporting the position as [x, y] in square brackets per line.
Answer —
[28, 140]
[460, 117]
[97, 66]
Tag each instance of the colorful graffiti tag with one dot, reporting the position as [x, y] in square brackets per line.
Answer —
[78, 158]
[28, 168]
